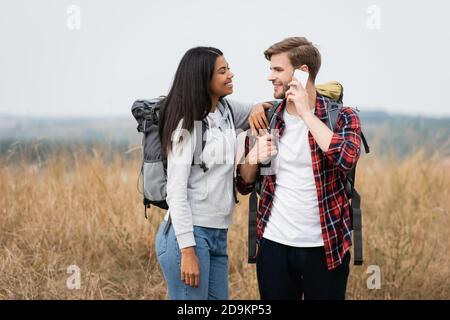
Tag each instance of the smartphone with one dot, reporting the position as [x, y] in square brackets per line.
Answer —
[301, 76]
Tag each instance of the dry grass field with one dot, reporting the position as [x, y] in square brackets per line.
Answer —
[82, 208]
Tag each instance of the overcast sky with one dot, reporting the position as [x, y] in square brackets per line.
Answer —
[391, 55]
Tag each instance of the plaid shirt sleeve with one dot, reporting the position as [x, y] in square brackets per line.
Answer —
[345, 145]
[242, 186]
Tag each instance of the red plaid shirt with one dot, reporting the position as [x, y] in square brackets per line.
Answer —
[329, 170]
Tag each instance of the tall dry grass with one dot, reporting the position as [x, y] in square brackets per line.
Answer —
[84, 210]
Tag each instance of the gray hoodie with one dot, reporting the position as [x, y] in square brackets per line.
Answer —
[203, 198]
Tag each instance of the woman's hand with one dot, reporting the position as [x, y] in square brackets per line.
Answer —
[257, 119]
[190, 267]
[264, 149]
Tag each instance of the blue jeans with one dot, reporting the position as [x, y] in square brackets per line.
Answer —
[211, 251]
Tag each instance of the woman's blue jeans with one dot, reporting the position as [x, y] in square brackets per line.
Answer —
[211, 251]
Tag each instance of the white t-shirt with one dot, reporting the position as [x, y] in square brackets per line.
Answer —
[294, 219]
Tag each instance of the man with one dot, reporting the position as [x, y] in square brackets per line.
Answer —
[303, 222]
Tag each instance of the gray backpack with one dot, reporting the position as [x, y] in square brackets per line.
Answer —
[154, 163]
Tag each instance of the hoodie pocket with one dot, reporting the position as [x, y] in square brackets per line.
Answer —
[198, 186]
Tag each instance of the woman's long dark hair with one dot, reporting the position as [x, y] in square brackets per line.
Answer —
[189, 98]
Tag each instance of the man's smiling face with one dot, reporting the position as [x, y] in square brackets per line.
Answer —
[281, 71]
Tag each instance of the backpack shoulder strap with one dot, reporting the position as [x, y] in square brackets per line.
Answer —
[200, 147]
[231, 114]
[357, 229]
[252, 217]
[229, 108]
[366, 145]
[253, 199]
[204, 128]
[272, 113]
[333, 110]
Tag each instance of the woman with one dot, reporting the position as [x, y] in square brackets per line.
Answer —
[191, 243]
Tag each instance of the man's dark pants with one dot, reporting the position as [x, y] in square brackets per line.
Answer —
[289, 273]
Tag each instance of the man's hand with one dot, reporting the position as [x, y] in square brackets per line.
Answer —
[264, 149]
[320, 132]
[190, 267]
[257, 119]
[299, 97]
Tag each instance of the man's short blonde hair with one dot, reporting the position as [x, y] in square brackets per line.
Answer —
[300, 51]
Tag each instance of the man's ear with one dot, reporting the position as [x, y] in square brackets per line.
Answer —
[304, 67]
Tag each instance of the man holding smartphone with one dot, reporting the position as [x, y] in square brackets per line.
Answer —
[303, 221]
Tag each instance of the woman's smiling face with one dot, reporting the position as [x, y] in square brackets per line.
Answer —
[222, 81]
